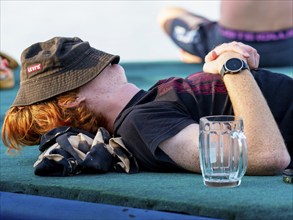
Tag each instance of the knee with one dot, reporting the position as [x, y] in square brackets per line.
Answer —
[167, 14]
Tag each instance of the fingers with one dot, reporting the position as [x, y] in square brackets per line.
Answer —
[253, 60]
[246, 51]
[237, 47]
[212, 55]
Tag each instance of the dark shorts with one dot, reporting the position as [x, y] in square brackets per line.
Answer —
[275, 48]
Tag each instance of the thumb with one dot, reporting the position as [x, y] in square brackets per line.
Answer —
[212, 55]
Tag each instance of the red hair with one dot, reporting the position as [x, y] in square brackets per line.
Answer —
[24, 125]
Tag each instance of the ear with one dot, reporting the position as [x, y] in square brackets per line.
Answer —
[74, 103]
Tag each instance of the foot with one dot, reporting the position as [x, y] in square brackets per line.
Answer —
[6, 75]
[189, 58]
[12, 63]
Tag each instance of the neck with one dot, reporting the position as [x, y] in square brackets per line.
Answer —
[118, 102]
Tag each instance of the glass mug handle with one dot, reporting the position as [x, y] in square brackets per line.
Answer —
[240, 139]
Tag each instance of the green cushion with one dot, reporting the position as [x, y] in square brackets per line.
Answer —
[266, 197]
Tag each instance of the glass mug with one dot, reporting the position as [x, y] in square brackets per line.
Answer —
[223, 150]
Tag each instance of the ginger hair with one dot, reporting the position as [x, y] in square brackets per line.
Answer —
[24, 125]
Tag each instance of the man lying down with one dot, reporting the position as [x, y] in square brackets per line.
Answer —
[76, 103]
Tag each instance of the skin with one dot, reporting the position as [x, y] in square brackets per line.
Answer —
[270, 15]
[110, 91]
[267, 153]
[248, 15]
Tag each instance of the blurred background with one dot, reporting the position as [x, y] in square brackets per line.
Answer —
[127, 28]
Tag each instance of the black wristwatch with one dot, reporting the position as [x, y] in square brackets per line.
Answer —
[233, 66]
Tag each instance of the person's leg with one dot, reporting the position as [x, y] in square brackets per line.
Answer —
[196, 36]
[193, 34]
[183, 29]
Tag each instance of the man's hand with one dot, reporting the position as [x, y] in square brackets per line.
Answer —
[215, 59]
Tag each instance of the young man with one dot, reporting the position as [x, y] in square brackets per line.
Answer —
[267, 26]
[64, 81]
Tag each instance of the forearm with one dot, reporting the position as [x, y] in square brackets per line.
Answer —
[267, 153]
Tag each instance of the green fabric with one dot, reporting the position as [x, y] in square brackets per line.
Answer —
[256, 197]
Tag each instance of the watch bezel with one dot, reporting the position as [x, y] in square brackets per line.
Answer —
[225, 70]
[228, 69]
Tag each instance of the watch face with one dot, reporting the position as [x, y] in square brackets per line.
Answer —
[234, 65]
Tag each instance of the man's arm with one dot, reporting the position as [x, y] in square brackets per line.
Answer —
[267, 153]
[183, 148]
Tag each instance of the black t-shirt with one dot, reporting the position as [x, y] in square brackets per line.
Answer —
[172, 104]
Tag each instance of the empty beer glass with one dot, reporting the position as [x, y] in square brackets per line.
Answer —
[223, 150]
